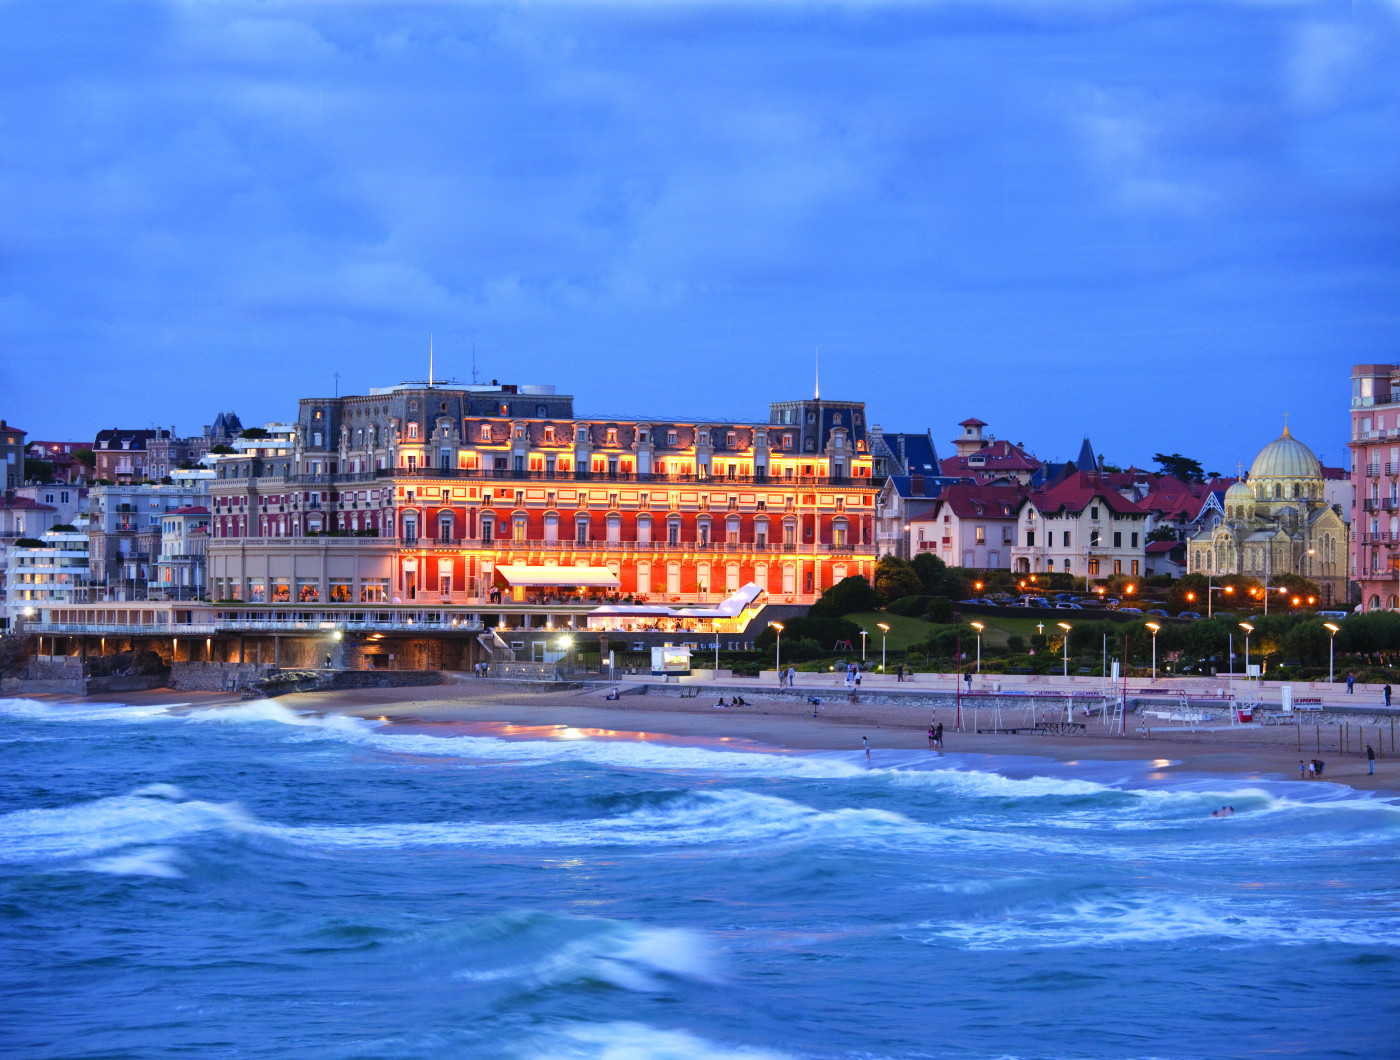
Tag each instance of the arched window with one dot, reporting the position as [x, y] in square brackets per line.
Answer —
[410, 528]
[485, 432]
[444, 526]
[1297, 492]
[731, 577]
[1278, 491]
[731, 530]
[518, 527]
[673, 531]
[551, 526]
[760, 532]
[839, 530]
[488, 528]
[581, 529]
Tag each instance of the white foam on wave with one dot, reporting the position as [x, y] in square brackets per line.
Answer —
[147, 816]
[636, 1041]
[628, 957]
[162, 862]
[37, 710]
[1128, 921]
[697, 818]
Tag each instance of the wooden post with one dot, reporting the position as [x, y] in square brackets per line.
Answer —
[1319, 737]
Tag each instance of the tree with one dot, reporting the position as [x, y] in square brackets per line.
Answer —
[86, 456]
[845, 597]
[38, 470]
[222, 450]
[255, 432]
[1179, 466]
[931, 572]
[895, 578]
[1162, 533]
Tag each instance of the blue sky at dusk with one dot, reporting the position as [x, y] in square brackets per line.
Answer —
[1161, 224]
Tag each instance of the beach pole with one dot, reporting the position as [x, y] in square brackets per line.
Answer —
[1319, 738]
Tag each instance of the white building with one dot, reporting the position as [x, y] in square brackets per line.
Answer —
[180, 569]
[124, 531]
[68, 501]
[52, 574]
[969, 526]
[1081, 527]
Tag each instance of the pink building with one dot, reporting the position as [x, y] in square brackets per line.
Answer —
[1375, 484]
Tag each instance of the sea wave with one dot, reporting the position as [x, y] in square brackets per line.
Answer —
[535, 950]
[697, 818]
[40, 710]
[1148, 919]
[155, 814]
[636, 1041]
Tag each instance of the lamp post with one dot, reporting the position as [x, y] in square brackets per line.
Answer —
[1331, 646]
[1154, 627]
[1065, 626]
[863, 635]
[1248, 629]
[979, 627]
[778, 649]
[884, 637]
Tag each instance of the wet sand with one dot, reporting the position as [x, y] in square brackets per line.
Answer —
[1249, 751]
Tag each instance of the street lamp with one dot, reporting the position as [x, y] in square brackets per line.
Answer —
[778, 649]
[1154, 627]
[979, 627]
[1065, 626]
[1331, 646]
[863, 635]
[1248, 629]
[884, 636]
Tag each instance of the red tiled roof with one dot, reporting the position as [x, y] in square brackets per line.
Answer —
[1162, 546]
[26, 505]
[980, 502]
[972, 421]
[192, 510]
[998, 456]
[1076, 492]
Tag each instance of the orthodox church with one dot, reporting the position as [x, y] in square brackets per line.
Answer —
[1277, 521]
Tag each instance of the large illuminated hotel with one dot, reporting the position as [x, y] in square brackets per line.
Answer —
[464, 495]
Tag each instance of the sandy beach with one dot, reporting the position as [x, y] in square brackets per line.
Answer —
[1246, 751]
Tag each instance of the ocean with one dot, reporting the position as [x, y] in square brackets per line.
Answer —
[250, 882]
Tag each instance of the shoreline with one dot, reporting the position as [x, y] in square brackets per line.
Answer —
[1250, 752]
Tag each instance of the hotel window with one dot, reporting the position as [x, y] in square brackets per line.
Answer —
[485, 432]
[612, 436]
[488, 528]
[614, 528]
[517, 432]
[581, 530]
[731, 439]
[412, 432]
[838, 533]
[518, 528]
[445, 526]
[551, 527]
[643, 528]
[581, 435]
[731, 530]
[673, 531]
[549, 436]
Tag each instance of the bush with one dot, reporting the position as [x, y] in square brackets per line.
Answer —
[28, 542]
[64, 528]
[1016, 644]
[909, 606]
[895, 578]
[824, 631]
[846, 596]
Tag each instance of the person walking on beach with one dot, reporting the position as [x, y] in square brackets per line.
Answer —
[938, 735]
[1351, 684]
[1302, 770]
[866, 740]
[792, 677]
[930, 737]
[1370, 760]
[1386, 690]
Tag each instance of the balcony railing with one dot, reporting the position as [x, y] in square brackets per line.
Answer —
[566, 477]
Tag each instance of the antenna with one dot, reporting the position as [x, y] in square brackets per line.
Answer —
[817, 372]
[337, 384]
[430, 359]
[473, 362]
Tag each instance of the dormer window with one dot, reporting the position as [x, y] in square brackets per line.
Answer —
[486, 432]
[612, 436]
[731, 439]
[518, 432]
[581, 434]
[412, 432]
[670, 437]
[787, 441]
[549, 435]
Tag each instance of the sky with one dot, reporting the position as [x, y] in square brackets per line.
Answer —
[1160, 225]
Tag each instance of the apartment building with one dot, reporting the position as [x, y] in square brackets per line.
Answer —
[1374, 554]
[1081, 526]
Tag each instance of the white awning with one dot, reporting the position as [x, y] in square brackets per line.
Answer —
[730, 607]
[591, 577]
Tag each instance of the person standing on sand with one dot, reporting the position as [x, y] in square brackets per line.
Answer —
[792, 677]
[930, 737]
[1302, 770]
[1351, 684]
[1386, 690]
[866, 740]
[938, 735]
[1371, 754]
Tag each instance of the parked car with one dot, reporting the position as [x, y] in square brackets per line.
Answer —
[1158, 612]
[1111, 602]
[1130, 610]
[1065, 605]
[1037, 601]
[1068, 598]
[1189, 614]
